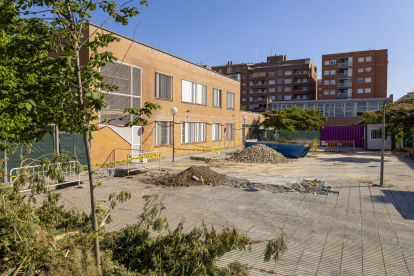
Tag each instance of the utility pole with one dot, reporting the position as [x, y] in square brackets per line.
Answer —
[383, 144]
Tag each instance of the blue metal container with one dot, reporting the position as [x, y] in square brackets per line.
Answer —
[291, 150]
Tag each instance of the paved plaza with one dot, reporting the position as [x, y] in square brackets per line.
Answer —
[365, 230]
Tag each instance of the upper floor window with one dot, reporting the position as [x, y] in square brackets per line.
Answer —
[361, 59]
[333, 72]
[326, 62]
[288, 73]
[326, 92]
[163, 86]
[279, 89]
[361, 80]
[333, 62]
[244, 77]
[216, 97]
[280, 72]
[230, 100]
[361, 70]
[272, 82]
[367, 69]
[326, 82]
[243, 84]
[333, 82]
[326, 72]
[272, 74]
[193, 132]
[279, 81]
[192, 92]
[368, 59]
[288, 81]
[367, 90]
[367, 80]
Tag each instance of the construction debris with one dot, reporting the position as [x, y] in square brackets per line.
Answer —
[312, 187]
[258, 153]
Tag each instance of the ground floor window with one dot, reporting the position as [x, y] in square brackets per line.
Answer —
[163, 133]
[216, 131]
[375, 134]
[230, 131]
[193, 132]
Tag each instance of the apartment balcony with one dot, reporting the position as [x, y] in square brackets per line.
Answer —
[300, 73]
[344, 64]
[343, 95]
[344, 84]
[301, 81]
[341, 75]
[298, 89]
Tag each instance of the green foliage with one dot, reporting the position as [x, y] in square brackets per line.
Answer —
[399, 117]
[294, 119]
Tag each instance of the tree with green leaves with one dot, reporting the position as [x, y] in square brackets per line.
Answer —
[399, 117]
[294, 119]
[63, 90]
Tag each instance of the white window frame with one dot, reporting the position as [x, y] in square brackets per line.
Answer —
[217, 102]
[333, 72]
[229, 131]
[272, 90]
[272, 81]
[326, 62]
[368, 59]
[361, 59]
[333, 62]
[361, 70]
[230, 100]
[326, 73]
[326, 82]
[159, 128]
[157, 90]
[368, 70]
[368, 80]
[358, 80]
[216, 131]
[368, 90]
[332, 82]
[332, 92]
[193, 95]
[375, 134]
[360, 90]
[288, 73]
[287, 98]
[288, 81]
[326, 92]
[193, 132]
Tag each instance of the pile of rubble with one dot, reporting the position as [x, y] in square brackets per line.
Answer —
[258, 153]
[193, 176]
[312, 187]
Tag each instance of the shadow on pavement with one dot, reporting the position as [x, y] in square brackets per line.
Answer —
[400, 201]
[405, 158]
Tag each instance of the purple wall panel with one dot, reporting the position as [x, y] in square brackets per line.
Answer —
[343, 133]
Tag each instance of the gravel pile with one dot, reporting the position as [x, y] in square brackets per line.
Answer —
[312, 187]
[258, 153]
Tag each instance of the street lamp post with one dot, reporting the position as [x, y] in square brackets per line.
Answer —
[173, 111]
[382, 144]
[267, 103]
[244, 127]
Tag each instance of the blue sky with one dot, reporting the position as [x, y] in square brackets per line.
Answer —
[214, 32]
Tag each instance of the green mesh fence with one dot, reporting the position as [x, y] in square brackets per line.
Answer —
[72, 145]
[300, 135]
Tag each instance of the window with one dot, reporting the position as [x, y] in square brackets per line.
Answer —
[279, 81]
[279, 89]
[272, 98]
[244, 77]
[250, 76]
[128, 80]
[192, 92]
[193, 132]
[272, 82]
[243, 100]
[288, 98]
[367, 90]
[251, 91]
[333, 72]
[333, 82]
[230, 131]
[238, 69]
[251, 83]
[361, 108]
[228, 70]
[368, 59]
[326, 62]
[217, 131]
[219, 71]
[367, 69]
[271, 90]
[326, 82]
[333, 62]
[361, 70]
[230, 100]
[288, 73]
[163, 133]
[367, 80]
[326, 72]
[272, 74]
[243, 92]
[163, 86]
[244, 69]
[288, 81]
[243, 84]
[216, 97]
[332, 92]
[361, 59]
[375, 134]
[360, 90]
[280, 72]
[288, 89]
[361, 80]
[279, 97]
[251, 99]
[326, 92]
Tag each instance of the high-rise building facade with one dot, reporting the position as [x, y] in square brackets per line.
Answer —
[354, 75]
[277, 79]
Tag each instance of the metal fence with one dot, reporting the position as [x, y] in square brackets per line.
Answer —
[133, 159]
[337, 146]
[69, 175]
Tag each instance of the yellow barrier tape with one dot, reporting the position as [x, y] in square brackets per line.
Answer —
[238, 139]
[201, 146]
[98, 164]
[195, 149]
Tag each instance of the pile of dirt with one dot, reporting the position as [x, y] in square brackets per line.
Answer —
[193, 176]
[312, 187]
[284, 141]
[258, 153]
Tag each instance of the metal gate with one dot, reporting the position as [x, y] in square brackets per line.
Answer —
[343, 133]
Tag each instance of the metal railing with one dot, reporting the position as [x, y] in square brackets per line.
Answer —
[343, 75]
[69, 174]
[344, 84]
[301, 81]
[337, 146]
[134, 159]
[344, 64]
[343, 95]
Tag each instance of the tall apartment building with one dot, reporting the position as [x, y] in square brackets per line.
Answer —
[277, 79]
[354, 75]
